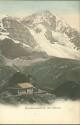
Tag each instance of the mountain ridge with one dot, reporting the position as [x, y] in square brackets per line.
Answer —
[43, 27]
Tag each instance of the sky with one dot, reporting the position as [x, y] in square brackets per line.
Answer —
[68, 10]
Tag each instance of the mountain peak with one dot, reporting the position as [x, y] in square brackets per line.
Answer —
[43, 16]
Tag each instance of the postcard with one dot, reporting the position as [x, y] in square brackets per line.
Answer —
[39, 62]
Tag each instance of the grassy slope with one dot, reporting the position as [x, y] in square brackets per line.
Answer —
[55, 72]
[55, 75]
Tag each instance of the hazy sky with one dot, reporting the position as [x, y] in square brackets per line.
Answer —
[17, 7]
[67, 9]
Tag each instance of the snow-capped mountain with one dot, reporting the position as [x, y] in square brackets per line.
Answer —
[44, 17]
[53, 35]
[37, 45]
[42, 32]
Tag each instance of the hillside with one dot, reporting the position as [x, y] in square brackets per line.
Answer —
[54, 73]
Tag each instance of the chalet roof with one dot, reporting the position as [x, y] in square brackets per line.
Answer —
[25, 85]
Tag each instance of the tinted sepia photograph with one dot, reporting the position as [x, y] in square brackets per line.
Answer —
[39, 62]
